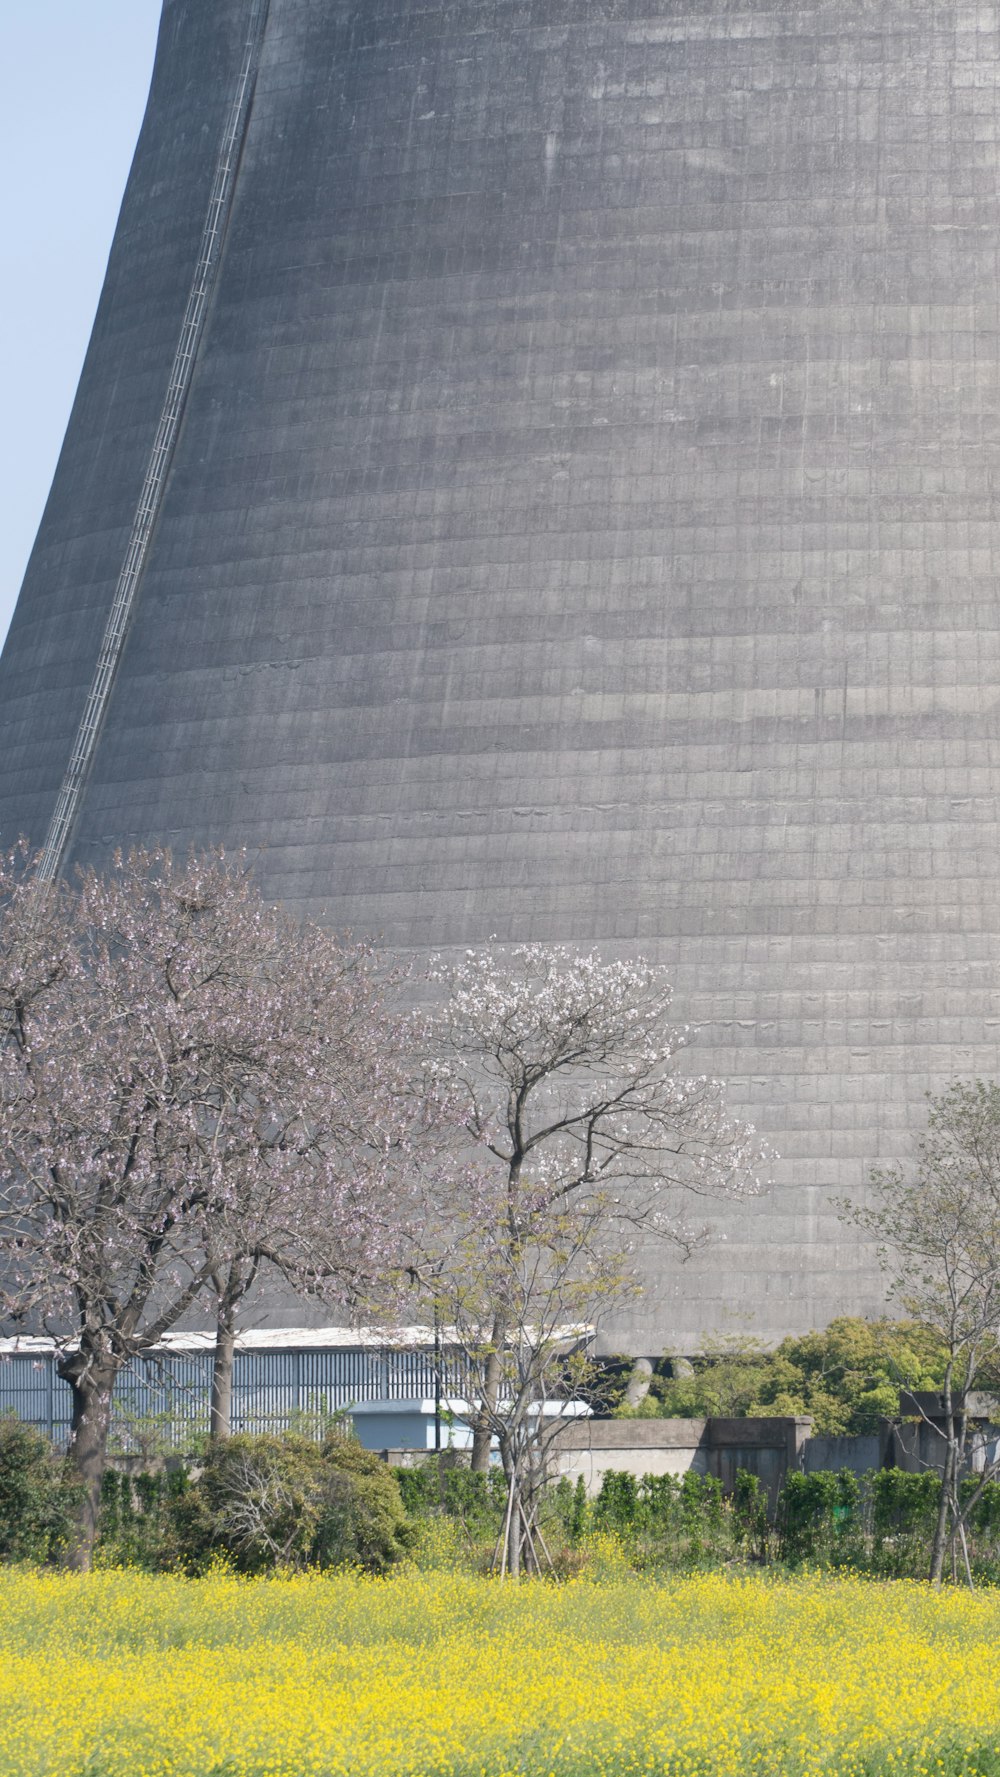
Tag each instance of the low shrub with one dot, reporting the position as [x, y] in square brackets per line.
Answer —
[666, 1520]
[362, 1520]
[35, 1497]
[283, 1502]
[616, 1508]
[571, 1509]
[820, 1519]
[751, 1529]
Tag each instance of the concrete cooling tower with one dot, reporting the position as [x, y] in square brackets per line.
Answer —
[534, 474]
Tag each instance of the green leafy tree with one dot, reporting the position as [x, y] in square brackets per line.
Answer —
[846, 1377]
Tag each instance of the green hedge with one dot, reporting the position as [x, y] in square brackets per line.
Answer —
[287, 1502]
[881, 1523]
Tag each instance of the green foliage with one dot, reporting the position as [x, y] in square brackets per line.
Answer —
[818, 1517]
[879, 1523]
[579, 1520]
[419, 1489]
[662, 1507]
[476, 1502]
[721, 1383]
[847, 1377]
[284, 1502]
[136, 1516]
[985, 1517]
[882, 1524]
[561, 1496]
[287, 1503]
[901, 1513]
[705, 1519]
[570, 1511]
[363, 1520]
[751, 1530]
[36, 1500]
[665, 1520]
[902, 1502]
[574, 1509]
[617, 1503]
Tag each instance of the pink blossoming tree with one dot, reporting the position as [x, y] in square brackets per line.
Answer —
[193, 1089]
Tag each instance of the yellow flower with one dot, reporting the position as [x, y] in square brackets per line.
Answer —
[445, 1675]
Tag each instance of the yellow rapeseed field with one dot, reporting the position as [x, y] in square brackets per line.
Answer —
[128, 1675]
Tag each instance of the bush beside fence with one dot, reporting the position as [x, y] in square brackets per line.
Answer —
[337, 1503]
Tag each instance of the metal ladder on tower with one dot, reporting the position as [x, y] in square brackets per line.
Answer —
[151, 498]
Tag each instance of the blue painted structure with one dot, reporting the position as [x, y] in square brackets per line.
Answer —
[280, 1379]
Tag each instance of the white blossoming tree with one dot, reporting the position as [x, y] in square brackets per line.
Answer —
[582, 1136]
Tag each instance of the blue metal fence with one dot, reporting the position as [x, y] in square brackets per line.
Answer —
[166, 1395]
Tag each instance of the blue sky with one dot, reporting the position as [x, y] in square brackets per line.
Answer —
[74, 75]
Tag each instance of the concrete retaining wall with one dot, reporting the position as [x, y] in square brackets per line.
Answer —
[721, 1447]
[859, 1454]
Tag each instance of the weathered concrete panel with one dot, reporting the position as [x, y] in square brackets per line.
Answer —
[767, 1448]
[860, 1454]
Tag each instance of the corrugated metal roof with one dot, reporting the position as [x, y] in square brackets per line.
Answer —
[287, 1339]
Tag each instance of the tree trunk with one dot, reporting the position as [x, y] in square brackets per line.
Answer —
[91, 1387]
[957, 1467]
[940, 1541]
[482, 1425]
[514, 1531]
[221, 1411]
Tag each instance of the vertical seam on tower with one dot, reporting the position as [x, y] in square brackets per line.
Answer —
[154, 482]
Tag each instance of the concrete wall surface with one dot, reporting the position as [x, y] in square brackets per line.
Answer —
[721, 1447]
[583, 528]
[594, 1447]
[919, 1446]
[861, 1454]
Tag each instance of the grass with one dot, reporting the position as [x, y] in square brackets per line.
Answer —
[122, 1674]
